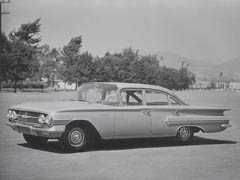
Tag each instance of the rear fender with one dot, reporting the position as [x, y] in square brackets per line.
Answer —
[205, 123]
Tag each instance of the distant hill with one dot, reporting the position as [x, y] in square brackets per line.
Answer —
[198, 67]
[230, 69]
[204, 70]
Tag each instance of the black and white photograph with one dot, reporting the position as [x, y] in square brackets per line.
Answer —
[119, 89]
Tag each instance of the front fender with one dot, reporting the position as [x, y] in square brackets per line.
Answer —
[102, 121]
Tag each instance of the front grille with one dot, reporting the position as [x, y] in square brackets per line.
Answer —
[26, 116]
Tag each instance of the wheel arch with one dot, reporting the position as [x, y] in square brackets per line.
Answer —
[87, 124]
[194, 128]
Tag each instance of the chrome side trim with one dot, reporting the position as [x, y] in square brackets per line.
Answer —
[194, 120]
[226, 125]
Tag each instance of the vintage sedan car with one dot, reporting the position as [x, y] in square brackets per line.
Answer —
[114, 111]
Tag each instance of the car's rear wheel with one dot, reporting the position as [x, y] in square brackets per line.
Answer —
[184, 134]
[35, 140]
[75, 138]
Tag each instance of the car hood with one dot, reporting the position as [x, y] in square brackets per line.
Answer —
[58, 106]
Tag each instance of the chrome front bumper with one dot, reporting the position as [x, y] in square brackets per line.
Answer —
[50, 132]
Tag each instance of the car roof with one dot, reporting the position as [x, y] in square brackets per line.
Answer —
[121, 85]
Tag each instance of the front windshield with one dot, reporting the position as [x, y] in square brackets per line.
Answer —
[98, 93]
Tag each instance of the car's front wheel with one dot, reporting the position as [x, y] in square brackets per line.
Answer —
[184, 134]
[75, 138]
[35, 140]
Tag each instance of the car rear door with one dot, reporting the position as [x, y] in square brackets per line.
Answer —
[158, 104]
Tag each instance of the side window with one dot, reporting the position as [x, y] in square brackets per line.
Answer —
[111, 98]
[173, 101]
[132, 97]
[92, 95]
[156, 98]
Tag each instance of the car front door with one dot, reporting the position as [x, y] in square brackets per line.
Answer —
[132, 119]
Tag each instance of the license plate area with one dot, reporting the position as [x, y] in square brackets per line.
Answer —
[25, 130]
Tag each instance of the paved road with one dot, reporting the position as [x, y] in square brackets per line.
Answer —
[210, 156]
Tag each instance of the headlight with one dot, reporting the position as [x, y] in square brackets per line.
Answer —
[48, 120]
[11, 114]
[41, 118]
[14, 115]
[44, 119]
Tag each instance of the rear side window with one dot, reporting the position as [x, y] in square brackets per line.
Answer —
[132, 97]
[156, 98]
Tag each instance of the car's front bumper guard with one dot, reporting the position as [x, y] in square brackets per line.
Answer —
[51, 132]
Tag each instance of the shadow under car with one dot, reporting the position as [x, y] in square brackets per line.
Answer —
[123, 144]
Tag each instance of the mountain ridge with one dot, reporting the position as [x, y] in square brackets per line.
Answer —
[204, 70]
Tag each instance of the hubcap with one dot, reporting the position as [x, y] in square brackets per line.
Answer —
[76, 137]
[184, 133]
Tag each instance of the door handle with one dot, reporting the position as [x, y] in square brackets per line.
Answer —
[146, 112]
[175, 113]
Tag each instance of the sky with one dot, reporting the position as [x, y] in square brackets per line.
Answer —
[204, 30]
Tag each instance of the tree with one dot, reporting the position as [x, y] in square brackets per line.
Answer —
[84, 68]
[129, 66]
[116, 67]
[188, 78]
[4, 59]
[49, 63]
[168, 77]
[23, 63]
[76, 67]
[108, 68]
[70, 55]
[145, 69]
[126, 69]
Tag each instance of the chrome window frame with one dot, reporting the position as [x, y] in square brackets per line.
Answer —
[138, 89]
[169, 96]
